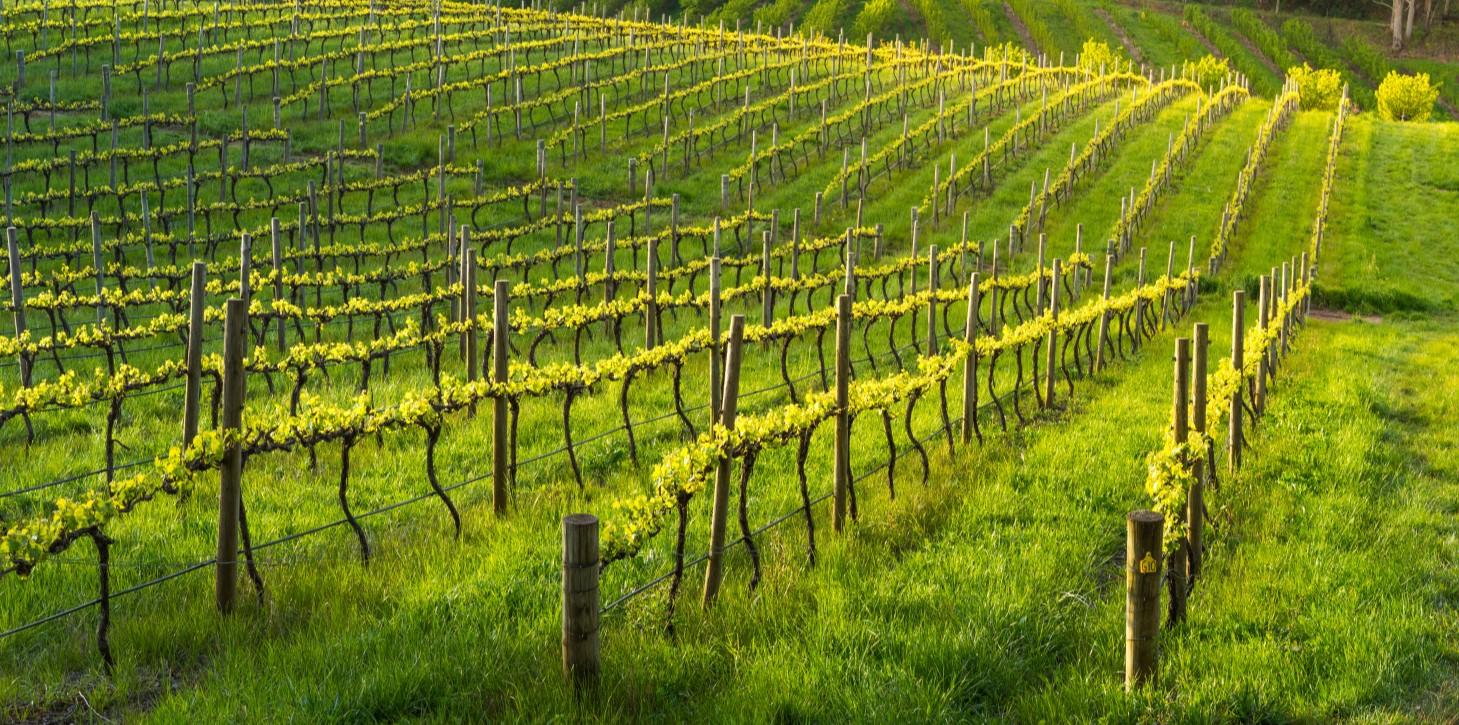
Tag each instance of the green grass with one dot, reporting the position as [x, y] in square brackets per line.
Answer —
[991, 593]
[1389, 251]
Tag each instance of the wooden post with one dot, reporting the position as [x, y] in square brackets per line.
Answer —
[970, 368]
[1051, 358]
[192, 396]
[97, 267]
[842, 453]
[471, 334]
[1263, 319]
[17, 299]
[715, 306]
[580, 570]
[230, 490]
[1195, 500]
[767, 295]
[278, 264]
[1109, 261]
[933, 282]
[499, 453]
[1238, 361]
[1180, 426]
[1139, 304]
[651, 289]
[719, 515]
[1144, 534]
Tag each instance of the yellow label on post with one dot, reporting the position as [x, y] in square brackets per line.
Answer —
[1148, 565]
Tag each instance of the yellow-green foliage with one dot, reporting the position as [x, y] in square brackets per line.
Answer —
[826, 16]
[1319, 89]
[1099, 56]
[1010, 51]
[1207, 71]
[1407, 98]
[875, 17]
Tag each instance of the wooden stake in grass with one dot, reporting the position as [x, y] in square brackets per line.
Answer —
[278, 264]
[230, 490]
[1144, 533]
[499, 453]
[17, 298]
[715, 307]
[1180, 427]
[192, 395]
[580, 570]
[1195, 510]
[842, 453]
[1263, 320]
[651, 288]
[719, 515]
[1109, 261]
[970, 368]
[97, 267]
[1238, 361]
[1051, 360]
[933, 282]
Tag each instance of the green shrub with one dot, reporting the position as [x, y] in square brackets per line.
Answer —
[875, 18]
[934, 21]
[1096, 56]
[777, 14]
[1407, 98]
[1317, 89]
[1301, 36]
[1009, 50]
[1207, 71]
[826, 17]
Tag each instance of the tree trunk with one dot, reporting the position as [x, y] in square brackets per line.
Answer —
[1408, 28]
[1395, 24]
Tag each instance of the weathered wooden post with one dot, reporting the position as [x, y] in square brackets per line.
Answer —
[1051, 358]
[1109, 261]
[767, 295]
[230, 490]
[471, 332]
[17, 299]
[934, 281]
[1143, 540]
[98, 268]
[1195, 500]
[970, 368]
[719, 514]
[580, 571]
[1180, 427]
[651, 289]
[715, 343]
[1264, 301]
[192, 393]
[1138, 327]
[842, 453]
[1238, 362]
[278, 264]
[499, 453]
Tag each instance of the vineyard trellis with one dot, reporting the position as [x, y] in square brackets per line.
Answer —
[398, 213]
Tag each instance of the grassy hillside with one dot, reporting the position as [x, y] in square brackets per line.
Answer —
[411, 569]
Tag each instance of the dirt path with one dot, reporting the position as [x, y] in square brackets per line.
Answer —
[1021, 29]
[1114, 27]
